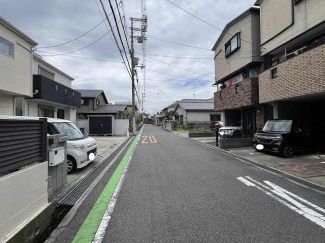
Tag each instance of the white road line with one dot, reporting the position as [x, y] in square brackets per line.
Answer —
[298, 208]
[258, 183]
[276, 187]
[100, 234]
[246, 182]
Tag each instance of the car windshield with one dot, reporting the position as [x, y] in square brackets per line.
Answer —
[278, 126]
[70, 129]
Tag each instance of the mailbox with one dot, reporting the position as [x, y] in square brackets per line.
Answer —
[56, 156]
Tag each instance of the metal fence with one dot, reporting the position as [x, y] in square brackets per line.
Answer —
[22, 142]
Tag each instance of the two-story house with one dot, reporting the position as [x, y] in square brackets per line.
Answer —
[237, 65]
[16, 59]
[292, 84]
[53, 96]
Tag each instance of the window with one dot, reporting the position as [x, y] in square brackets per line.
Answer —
[82, 101]
[220, 95]
[274, 73]
[237, 88]
[46, 73]
[275, 62]
[6, 47]
[46, 111]
[60, 114]
[97, 102]
[215, 117]
[232, 45]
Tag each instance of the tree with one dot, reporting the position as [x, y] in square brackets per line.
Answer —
[127, 114]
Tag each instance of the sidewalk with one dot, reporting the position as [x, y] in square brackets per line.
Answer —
[309, 167]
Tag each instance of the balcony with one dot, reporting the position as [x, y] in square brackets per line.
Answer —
[240, 95]
[50, 90]
[300, 76]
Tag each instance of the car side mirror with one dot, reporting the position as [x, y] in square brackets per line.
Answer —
[86, 134]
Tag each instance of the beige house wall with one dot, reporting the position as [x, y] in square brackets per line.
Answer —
[248, 27]
[276, 17]
[6, 105]
[15, 73]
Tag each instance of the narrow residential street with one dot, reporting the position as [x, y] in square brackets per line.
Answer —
[177, 190]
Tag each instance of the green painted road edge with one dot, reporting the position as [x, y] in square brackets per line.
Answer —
[89, 228]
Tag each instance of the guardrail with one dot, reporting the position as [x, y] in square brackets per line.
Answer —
[22, 142]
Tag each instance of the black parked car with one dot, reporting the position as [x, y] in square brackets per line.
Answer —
[285, 137]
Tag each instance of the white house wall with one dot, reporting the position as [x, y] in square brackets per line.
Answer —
[57, 76]
[32, 109]
[197, 116]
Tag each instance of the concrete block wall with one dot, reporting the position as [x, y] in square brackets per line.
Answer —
[23, 194]
[301, 75]
[247, 96]
[235, 143]
[121, 127]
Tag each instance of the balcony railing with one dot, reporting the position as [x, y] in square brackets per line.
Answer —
[47, 89]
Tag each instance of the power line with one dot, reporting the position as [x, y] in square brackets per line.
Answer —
[119, 34]
[180, 67]
[87, 58]
[62, 54]
[116, 45]
[180, 44]
[158, 87]
[43, 47]
[119, 13]
[202, 20]
[116, 42]
[179, 76]
[189, 57]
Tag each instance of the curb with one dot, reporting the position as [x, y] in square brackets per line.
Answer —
[67, 219]
[252, 162]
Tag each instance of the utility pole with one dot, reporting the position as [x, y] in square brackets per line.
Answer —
[135, 61]
[133, 84]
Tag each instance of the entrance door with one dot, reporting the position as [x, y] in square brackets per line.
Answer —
[100, 125]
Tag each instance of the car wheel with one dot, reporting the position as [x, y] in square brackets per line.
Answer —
[287, 151]
[71, 165]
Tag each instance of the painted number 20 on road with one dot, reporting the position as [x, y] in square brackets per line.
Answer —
[148, 139]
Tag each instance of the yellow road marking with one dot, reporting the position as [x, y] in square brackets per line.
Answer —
[152, 139]
[144, 140]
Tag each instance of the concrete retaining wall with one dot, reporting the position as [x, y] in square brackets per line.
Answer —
[83, 124]
[23, 196]
[235, 143]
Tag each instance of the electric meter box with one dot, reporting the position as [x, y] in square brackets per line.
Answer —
[56, 156]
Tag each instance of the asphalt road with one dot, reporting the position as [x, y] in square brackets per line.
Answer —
[177, 190]
[180, 191]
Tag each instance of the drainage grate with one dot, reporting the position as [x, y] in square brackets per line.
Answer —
[76, 193]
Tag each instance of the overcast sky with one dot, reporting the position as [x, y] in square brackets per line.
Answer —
[53, 22]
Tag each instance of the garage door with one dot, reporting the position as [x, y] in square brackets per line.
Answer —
[100, 125]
